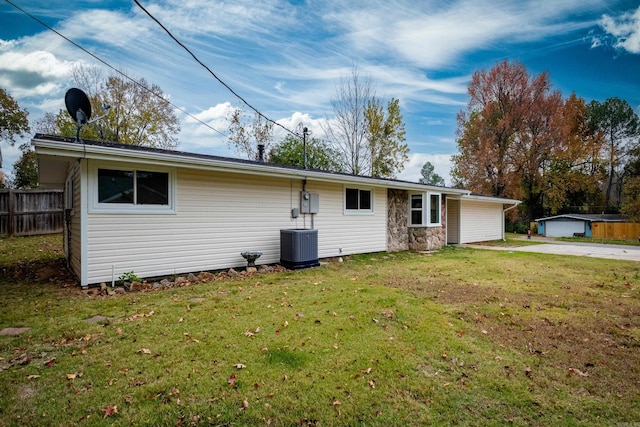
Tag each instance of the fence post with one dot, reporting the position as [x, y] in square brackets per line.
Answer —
[10, 225]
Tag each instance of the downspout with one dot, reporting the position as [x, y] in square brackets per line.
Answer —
[503, 218]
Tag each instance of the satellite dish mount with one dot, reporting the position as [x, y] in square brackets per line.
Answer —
[79, 108]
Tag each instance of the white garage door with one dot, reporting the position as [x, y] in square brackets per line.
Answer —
[563, 228]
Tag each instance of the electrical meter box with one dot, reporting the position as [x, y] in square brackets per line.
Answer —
[309, 202]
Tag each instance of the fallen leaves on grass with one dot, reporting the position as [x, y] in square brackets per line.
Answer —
[144, 351]
[577, 372]
[50, 362]
[33, 377]
[239, 366]
[110, 411]
[74, 375]
[232, 379]
[139, 316]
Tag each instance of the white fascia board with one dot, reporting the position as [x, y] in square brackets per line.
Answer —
[487, 199]
[75, 150]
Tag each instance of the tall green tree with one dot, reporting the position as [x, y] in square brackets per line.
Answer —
[385, 133]
[319, 154]
[368, 138]
[140, 112]
[13, 120]
[25, 170]
[619, 125]
[429, 176]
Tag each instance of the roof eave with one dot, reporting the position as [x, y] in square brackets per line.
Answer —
[74, 150]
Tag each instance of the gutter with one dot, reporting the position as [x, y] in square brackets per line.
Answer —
[505, 211]
[74, 150]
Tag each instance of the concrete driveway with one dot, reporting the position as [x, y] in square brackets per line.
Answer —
[623, 252]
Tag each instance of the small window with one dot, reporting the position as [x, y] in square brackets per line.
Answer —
[358, 200]
[434, 209]
[416, 209]
[425, 209]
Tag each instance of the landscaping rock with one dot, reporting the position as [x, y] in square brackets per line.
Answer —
[192, 278]
[13, 331]
[252, 270]
[181, 281]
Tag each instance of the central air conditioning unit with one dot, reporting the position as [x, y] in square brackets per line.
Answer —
[299, 248]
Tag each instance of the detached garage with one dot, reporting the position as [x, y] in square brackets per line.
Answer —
[570, 225]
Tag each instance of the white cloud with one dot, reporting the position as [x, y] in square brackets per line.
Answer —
[437, 34]
[625, 29]
[27, 73]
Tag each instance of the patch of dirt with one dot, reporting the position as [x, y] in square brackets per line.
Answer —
[570, 331]
[39, 272]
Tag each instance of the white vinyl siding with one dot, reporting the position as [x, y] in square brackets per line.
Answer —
[72, 236]
[218, 216]
[480, 221]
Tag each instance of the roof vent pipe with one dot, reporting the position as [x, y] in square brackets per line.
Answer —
[261, 153]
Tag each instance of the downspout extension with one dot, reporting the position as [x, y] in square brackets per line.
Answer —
[503, 212]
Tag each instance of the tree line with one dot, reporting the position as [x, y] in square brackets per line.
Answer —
[366, 137]
[520, 139]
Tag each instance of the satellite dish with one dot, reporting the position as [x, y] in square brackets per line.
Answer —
[79, 108]
[78, 105]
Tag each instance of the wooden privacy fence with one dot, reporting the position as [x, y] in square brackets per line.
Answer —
[615, 230]
[31, 212]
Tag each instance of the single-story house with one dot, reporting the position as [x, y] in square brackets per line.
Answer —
[161, 212]
[569, 225]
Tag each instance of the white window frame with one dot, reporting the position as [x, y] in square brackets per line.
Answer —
[426, 209]
[125, 208]
[358, 211]
[412, 210]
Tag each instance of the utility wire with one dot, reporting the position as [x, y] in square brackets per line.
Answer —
[113, 68]
[212, 73]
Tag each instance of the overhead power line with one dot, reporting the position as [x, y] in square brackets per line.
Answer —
[113, 68]
[260, 114]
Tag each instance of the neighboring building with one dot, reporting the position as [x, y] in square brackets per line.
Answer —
[569, 225]
[159, 212]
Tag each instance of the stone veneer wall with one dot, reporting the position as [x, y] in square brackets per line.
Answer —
[397, 220]
[430, 238]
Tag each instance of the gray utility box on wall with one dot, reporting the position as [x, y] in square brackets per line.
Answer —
[299, 248]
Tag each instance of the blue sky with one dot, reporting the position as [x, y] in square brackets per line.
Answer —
[286, 57]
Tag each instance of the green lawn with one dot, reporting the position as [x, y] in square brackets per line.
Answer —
[459, 337]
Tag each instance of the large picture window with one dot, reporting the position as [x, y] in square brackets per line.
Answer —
[133, 187]
[425, 209]
[357, 200]
[132, 190]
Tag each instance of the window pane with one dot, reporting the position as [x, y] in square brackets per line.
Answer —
[435, 209]
[352, 198]
[365, 199]
[416, 217]
[153, 188]
[115, 186]
[416, 201]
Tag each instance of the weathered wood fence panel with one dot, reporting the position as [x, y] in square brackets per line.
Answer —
[31, 212]
[615, 230]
